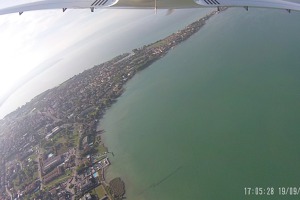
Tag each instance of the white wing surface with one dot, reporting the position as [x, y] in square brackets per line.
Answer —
[58, 4]
[146, 4]
[279, 4]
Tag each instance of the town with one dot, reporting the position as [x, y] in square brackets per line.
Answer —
[51, 147]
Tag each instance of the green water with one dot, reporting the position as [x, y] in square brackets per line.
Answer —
[219, 113]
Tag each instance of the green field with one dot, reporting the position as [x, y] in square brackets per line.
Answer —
[99, 191]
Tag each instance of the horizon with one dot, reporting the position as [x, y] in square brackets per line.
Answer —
[35, 44]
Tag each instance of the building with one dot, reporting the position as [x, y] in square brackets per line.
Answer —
[52, 175]
[31, 187]
[51, 163]
[53, 132]
[86, 185]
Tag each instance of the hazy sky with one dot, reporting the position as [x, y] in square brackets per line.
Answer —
[31, 39]
[38, 37]
[41, 38]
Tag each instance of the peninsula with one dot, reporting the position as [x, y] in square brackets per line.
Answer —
[50, 147]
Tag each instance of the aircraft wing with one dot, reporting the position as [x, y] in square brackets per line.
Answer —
[146, 4]
[58, 4]
[176, 4]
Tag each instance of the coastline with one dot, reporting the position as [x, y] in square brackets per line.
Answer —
[100, 127]
[83, 100]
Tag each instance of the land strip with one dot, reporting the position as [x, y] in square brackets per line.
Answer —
[50, 148]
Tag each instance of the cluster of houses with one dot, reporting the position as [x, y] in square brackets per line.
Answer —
[34, 186]
[58, 171]
[2, 178]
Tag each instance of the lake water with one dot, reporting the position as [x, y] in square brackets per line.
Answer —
[219, 113]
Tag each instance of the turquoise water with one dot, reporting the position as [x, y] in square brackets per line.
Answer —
[219, 113]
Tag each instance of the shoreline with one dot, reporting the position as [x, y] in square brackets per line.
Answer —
[99, 127]
[80, 104]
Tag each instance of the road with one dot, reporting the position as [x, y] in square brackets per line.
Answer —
[8, 192]
[40, 168]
